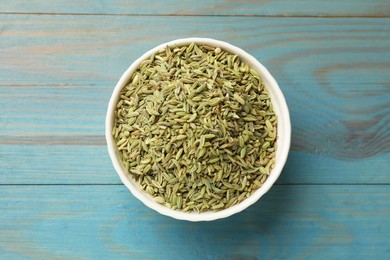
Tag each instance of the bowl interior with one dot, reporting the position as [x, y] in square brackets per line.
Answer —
[283, 134]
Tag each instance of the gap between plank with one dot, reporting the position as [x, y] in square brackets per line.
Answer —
[276, 184]
[201, 15]
[98, 140]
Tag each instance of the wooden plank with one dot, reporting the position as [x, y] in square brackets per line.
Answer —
[72, 163]
[47, 110]
[210, 7]
[337, 222]
[95, 50]
[334, 73]
[56, 164]
[349, 117]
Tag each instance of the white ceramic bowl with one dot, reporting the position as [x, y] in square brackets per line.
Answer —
[283, 134]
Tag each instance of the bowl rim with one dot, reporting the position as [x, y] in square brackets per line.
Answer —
[283, 132]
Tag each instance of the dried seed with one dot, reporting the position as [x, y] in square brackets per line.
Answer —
[151, 111]
[135, 171]
[195, 127]
[181, 137]
[159, 199]
[239, 99]
[192, 118]
[209, 136]
[243, 152]
[214, 101]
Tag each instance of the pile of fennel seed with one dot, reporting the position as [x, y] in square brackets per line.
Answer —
[195, 127]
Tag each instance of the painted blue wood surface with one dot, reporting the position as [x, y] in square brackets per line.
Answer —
[291, 221]
[204, 7]
[350, 55]
[90, 164]
[333, 72]
[60, 196]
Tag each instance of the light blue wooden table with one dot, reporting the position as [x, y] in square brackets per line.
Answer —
[60, 196]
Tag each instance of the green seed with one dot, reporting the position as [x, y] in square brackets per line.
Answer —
[239, 99]
[181, 137]
[159, 199]
[135, 171]
[243, 152]
[192, 118]
[195, 127]
[151, 111]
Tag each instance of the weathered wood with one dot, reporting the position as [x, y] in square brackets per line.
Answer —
[57, 74]
[95, 50]
[59, 62]
[209, 7]
[56, 164]
[75, 163]
[46, 222]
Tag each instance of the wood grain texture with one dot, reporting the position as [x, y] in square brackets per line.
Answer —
[210, 7]
[73, 163]
[333, 72]
[295, 222]
[56, 164]
[95, 50]
[60, 197]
